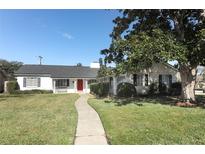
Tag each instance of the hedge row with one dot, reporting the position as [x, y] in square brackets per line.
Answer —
[174, 89]
[13, 88]
[127, 90]
[34, 91]
[100, 89]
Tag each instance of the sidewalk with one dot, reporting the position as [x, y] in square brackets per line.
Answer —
[89, 129]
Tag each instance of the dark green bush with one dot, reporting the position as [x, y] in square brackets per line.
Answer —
[153, 88]
[162, 89]
[126, 90]
[12, 87]
[100, 89]
[175, 89]
[35, 91]
[93, 88]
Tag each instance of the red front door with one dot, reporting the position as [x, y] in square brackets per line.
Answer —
[80, 84]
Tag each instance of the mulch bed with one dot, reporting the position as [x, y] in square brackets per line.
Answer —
[185, 104]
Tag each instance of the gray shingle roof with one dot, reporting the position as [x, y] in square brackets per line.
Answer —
[58, 71]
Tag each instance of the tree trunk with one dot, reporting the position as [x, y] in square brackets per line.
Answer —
[188, 79]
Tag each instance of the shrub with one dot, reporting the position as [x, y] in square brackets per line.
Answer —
[162, 89]
[93, 88]
[34, 91]
[153, 88]
[126, 90]
[175, 89]
[12, 86]
[100, 89]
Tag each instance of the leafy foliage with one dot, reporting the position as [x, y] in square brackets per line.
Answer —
[175, 89]
[104, 70]
[143, 37]
[153, 88]
[187, 27]
[10, 67]
[162, 89]
[100, 89]
[12, 87]
[140, 51]
[126, 90]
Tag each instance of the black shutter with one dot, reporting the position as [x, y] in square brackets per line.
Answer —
[110, 81]
[67, 82]
[146, 79]
[135, 79]
[160, 79]
[170, 80]
[39, 82]
[24, 82]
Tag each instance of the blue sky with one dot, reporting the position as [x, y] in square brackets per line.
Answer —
[63, 37]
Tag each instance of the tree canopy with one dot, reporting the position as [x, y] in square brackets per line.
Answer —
[104, 70]
[79, 64]
[143, 37]
[10, 67]
[146, 36]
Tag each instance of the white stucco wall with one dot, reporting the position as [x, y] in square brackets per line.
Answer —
[153, 76]
[73, 87]
[86, 88]
[46, 84]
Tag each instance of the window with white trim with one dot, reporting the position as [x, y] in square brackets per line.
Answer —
[62, 83]
[138, 79]
[32, 82]
[165, 79]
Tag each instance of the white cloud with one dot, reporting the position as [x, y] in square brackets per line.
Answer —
[67, 36]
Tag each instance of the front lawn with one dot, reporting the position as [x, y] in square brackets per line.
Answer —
[150, 122]
[37, 119]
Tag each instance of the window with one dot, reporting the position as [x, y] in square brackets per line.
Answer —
[62, 83]
[31, 82]
[166, 79]
[138, 79]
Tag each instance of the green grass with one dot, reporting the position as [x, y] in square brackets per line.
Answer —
[37, 119]
[147, 121]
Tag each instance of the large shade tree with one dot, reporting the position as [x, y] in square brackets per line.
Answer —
[143, 37]
[10, 67]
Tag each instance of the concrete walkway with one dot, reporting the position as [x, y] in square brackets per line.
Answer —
[89, 128]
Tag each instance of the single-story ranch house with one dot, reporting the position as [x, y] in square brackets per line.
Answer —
[65, 79]
[72, 79]
[158, 73]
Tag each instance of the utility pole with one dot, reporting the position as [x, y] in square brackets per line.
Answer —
[40, 59]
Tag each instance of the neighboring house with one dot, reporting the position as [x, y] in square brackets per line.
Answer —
[3, 78]
[65, 79]
[158, 73]
[200, 84]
